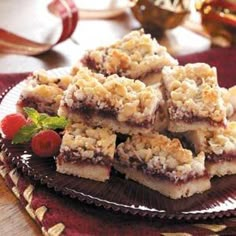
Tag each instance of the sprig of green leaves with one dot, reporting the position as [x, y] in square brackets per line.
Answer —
[25, 134]
[39, 121]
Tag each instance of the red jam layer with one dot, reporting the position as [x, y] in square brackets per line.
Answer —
[167, 174]
[87, 111]
[189, 118]
[223, 157]
[75, 156]
[34, 103]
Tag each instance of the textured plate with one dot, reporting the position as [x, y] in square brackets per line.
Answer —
[119, 194]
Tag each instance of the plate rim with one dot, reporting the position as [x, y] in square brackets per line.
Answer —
[104, 203]
[91, 200]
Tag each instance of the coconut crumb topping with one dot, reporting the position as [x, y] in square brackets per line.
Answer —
[218, 142]
[129, 99]
[193, 91]
[227, 102]
[42, 77]
[88, 142]
[45, 87]
[135, 55]
[160, 154]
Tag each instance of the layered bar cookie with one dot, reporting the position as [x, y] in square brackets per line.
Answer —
[194, 99]
[163, 165]
[136, 56]
[219, 147]
[120, 104]
[86, 152]
[43, 92]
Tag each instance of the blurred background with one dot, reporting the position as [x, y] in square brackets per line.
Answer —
[183, 26]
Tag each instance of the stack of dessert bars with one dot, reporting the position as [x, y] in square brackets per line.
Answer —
[135, 89]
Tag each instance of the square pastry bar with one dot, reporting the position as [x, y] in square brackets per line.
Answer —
[163, 165]
[123, 105]
[136, 56]
[86, 152]
[219, 147]
[43, 92]
[194, 99]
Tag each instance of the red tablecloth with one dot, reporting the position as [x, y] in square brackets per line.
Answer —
[60, 215]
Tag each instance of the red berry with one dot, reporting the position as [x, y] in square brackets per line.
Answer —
[46, 143]
[10, 124]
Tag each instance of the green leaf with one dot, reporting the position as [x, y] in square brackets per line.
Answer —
[32, 114]
[25, 133]
[41, 118]
[54, 122]
[39, 121]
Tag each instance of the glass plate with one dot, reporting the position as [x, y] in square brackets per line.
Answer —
[118, 193]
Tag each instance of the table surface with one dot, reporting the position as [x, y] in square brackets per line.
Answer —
[88, 34]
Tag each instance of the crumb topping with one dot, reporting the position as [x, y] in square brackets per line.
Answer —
[193, 91]
[41, 77]
[160, 154]
[227, 102]
[129, 99]
[44, 87]
[45, 91]
[88, 142]
[218, 142]
[135, 55]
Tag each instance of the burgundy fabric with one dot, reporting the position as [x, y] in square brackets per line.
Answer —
[82, 219]
[7, 80]
[224, 59]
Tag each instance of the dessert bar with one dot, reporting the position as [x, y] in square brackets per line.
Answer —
[43, 92]
[163, 165]
[136, 56]
[123, 105]
[194, 99]
[219, 147]
[86, 152]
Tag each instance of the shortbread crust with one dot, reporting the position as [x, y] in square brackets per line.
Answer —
[121, 104]
[135, 56]
[194, 99]
[43, 92]
[219, 147]
[84, 148]
[156, 161]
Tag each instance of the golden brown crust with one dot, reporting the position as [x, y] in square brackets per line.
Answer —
[44, 90]
[193, 91]
[126, 100]
[217, 142]
[160, 153]
[86, 143]
[84, 170]
[134, 56]
[42, 78]
[221, 168]
[165, 187]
